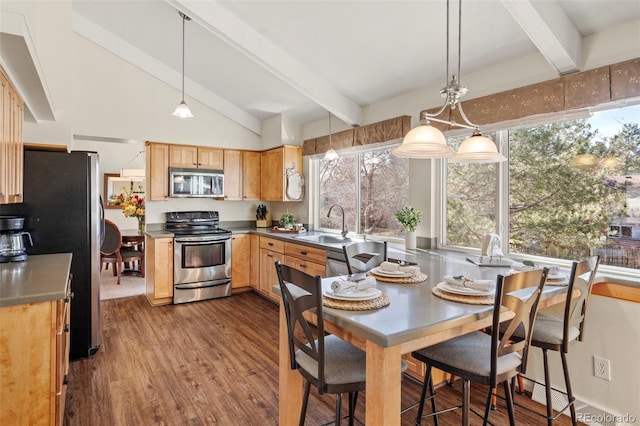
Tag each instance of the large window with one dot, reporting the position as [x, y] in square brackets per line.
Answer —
[573, 190]
[370, 186]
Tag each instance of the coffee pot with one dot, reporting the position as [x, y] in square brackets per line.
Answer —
[13, 240]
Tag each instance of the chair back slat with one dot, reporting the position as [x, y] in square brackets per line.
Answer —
[581, 279]
[302, 293]
[364, 255]
[520, 294]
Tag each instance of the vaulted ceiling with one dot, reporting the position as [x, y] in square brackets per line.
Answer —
[251, 60]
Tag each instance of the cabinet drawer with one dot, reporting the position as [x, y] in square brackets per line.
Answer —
[306, 266]
[304, 252]
[272, 244]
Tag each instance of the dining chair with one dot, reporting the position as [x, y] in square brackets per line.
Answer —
[552, 333]
[362, 256]
[327, 362]
[488, 359]
[112, 250]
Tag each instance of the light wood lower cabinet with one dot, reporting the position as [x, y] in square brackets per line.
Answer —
[159, 270]
[418, 369]
[240, 261]
[307, 259]
[34, 362]
[271, 250]
[254, 274]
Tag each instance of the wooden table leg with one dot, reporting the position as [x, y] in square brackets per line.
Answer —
[384, 380]
[290, 381]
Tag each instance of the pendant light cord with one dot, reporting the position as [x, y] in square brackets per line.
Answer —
[330, 130]
[184, 18]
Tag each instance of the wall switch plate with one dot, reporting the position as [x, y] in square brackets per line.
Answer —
[601, 368]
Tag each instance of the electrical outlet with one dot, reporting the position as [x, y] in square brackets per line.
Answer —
[601, 368]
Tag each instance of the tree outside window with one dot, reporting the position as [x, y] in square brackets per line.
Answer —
[370, 186]
[574, 190]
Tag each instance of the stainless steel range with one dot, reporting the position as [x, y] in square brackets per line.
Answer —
[201, 256]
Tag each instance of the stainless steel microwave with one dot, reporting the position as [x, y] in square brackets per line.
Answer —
[196, 183]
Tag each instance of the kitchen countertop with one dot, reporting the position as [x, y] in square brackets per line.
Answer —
[395, 251]
[40, 278]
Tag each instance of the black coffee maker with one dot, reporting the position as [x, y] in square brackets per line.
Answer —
[13, 240]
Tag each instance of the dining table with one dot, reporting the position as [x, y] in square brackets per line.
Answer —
[414, 318]
[133, 239]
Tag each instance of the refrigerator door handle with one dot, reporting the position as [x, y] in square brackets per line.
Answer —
[101, 221]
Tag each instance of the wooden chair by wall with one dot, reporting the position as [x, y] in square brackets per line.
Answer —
[112, 250]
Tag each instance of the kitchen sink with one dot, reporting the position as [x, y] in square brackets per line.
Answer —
[324, 238]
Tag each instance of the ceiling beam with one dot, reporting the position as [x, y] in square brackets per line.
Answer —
[224, 24]
[549, 28]
[145, 62]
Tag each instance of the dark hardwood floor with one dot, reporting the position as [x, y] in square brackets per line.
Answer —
[208, 363]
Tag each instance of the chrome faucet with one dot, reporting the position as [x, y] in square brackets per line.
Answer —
[344, 228]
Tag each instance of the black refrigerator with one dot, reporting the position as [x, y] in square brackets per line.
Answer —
[64, 213]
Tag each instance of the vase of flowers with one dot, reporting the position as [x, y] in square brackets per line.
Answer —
[409, 218]
[132, 206]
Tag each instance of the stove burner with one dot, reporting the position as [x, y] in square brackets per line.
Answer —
[194, 223]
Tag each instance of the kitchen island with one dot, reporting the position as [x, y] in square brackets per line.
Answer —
[414, 319]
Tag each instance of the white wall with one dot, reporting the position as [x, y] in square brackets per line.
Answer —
[612, 332]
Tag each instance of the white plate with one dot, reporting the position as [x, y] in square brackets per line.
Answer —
[463, 290]
[366, 294]
[378, 271]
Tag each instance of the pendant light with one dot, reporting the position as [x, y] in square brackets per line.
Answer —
[425, 141]
[182, 110]
[331, 154]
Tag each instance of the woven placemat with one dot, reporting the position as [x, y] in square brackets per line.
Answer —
[417, 278]
[357, 305]
[472, 300]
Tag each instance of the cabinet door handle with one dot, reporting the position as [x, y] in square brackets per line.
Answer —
[303, 266]
[66, 328]
[270, 244]
[269, 255]
[303, 252]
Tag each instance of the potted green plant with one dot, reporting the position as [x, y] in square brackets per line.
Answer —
[409, 218]
[287, 221]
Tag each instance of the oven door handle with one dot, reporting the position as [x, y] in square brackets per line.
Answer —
[201, 240]
[199, 285]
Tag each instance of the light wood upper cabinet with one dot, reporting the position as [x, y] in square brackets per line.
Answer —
[185, 156]
[251, 175]
[210, 158]
[232, 174]
[274, 165]
[240, 260]
[241, 175]
[157, 164]
[11, 145]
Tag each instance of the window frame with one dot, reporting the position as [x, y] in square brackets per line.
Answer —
[314, 207]
[502, 214]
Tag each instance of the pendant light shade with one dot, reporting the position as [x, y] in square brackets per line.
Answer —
[424, 141]
[478, 149]
[331, 154]
[182, 110]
